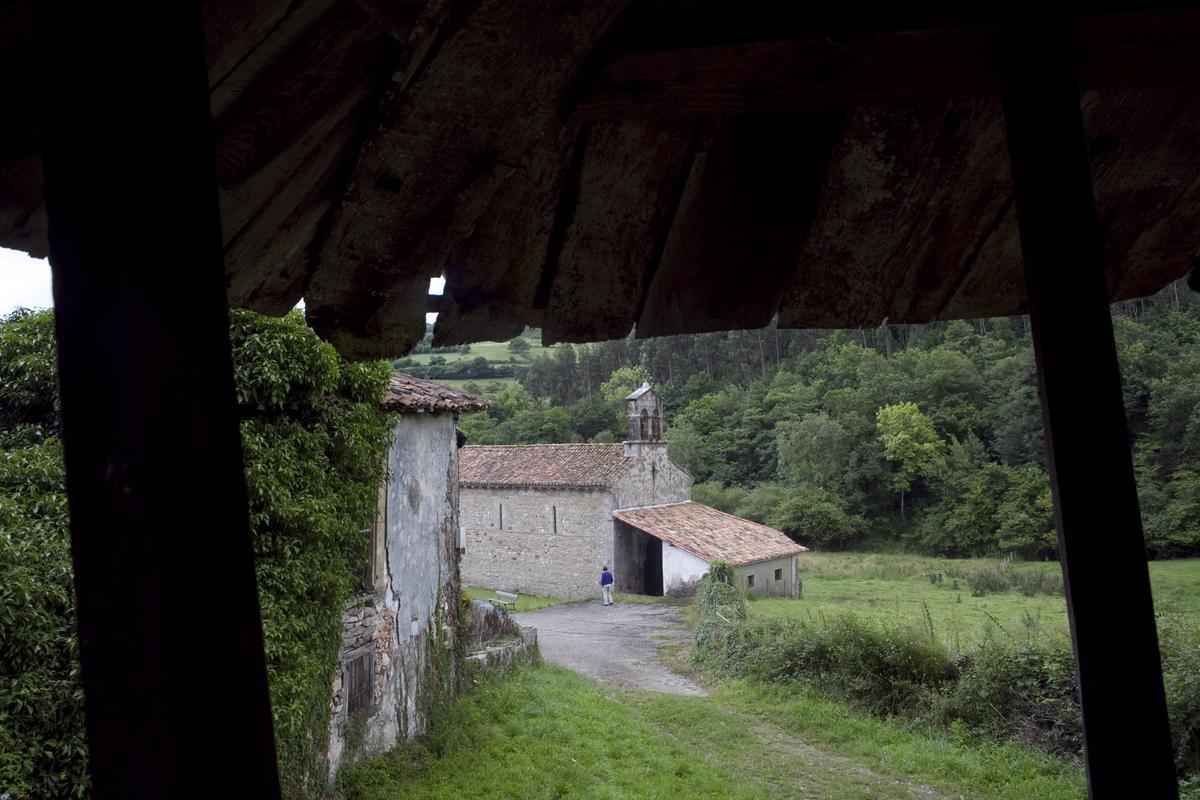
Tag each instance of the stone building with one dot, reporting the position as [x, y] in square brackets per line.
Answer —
[544, 518]
[407, 606]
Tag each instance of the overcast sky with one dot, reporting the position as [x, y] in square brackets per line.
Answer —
[25, 281]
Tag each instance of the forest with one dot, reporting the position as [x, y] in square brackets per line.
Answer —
[923, 438]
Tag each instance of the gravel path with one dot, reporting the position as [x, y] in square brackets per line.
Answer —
[616, 645]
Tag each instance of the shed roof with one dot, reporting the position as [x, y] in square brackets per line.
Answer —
[676, 165]
[558, 466]
[711, 534]
[408, 394]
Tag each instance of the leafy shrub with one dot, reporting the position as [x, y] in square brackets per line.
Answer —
[1179, 644]
[886, 669]
[987, 580]
[1035, 581]
[1021, 690]
[42, 748]
[312, 445]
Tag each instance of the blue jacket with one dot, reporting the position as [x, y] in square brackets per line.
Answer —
[605, 578]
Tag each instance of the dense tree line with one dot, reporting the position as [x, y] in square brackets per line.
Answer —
[926, 437]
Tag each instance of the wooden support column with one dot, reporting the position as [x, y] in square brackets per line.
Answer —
[1126, 735]
[175, 689]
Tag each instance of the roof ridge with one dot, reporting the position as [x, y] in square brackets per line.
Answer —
[549, 444]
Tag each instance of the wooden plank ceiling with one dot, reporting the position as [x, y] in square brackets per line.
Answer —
[675, 165]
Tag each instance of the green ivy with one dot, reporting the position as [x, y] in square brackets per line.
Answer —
[313, 441]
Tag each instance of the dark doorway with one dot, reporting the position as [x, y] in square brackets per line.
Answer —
[652, 571]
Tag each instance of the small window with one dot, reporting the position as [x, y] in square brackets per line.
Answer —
[360, 675]
[554, 518]
[502, 516]
[749, 580]
[778, 574]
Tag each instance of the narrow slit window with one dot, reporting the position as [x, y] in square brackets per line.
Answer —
[779, 574]
[502, 516]
[360, 675]
[554, 518]
[749, 580]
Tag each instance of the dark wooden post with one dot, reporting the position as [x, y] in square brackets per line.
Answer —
[175, 688]
[1126, 735]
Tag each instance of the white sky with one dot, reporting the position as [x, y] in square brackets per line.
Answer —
[25, 281]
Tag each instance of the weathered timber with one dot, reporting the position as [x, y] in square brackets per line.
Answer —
[938, 174]
[436, 155]
[493, 275]
[755, 186]
[1127, 742]
[613, 220]
[287, 125]
[170, 640]
[837, 69]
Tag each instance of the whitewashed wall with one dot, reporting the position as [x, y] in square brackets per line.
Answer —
[680, 567]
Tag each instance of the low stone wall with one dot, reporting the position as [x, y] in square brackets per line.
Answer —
[507, 654]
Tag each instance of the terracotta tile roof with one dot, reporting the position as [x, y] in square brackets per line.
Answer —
[579, 466]
[408, 394]
[710, 534]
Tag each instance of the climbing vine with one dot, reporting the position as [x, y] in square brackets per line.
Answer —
[313, 440]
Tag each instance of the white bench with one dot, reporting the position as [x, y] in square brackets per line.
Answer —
[504, 600]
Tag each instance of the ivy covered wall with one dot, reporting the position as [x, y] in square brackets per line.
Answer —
[313, 438]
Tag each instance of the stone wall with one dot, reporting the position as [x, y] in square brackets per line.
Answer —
[551, 542]
[765, 583]
[654, 479]
[409, 606]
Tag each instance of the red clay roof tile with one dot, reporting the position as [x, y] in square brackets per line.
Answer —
[571, 466]
[408, 394]
[711, 534]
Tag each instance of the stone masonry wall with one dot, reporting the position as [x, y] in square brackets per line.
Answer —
[653, 479]
[764, 577]
[552, 542]
[413, 601]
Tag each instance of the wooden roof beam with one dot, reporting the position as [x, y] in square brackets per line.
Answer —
[1116, 50]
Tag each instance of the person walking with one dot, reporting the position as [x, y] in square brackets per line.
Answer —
[606, 583]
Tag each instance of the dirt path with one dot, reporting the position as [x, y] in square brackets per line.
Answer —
[619, 645]
[616, 645]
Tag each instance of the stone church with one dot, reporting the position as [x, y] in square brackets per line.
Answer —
[544, 518]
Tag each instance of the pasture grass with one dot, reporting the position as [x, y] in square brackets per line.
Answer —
[495, 352]
[546, 732]
[541, 732]
[897, 589]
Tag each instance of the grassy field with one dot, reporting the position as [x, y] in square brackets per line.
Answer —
[546, 732]
[898, 589]
[496, 352]
[532, 602]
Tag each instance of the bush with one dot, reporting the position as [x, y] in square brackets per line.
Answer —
[885, 669]
[42, 748]
[1034, 581]
[1179, 644]
[312, 445]
[987, 580]
[1021, 690]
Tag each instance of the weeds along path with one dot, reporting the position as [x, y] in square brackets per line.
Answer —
[771, 761]
[616, 645]
[620, 646]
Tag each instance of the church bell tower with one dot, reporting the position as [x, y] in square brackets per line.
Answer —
[645, 421]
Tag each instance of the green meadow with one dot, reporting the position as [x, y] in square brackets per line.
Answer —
[937, 593]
